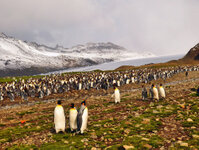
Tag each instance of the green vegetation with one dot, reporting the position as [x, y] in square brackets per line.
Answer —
[11, 79]
[132, 122]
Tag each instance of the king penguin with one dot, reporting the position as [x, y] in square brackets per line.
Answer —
[155, 93]
[73, 118]
[144, 93]
[117, 95]
[82, 118]
[59, 117]
[162, 91]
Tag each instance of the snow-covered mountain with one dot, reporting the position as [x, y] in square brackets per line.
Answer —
[21, 55]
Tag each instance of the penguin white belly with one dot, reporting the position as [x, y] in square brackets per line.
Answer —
[80, 86]
[117, 96]
[162, 92]
[91, 84]
[118, 83]
[84, 120]
[59, 119]
[73, 119]
[133, 80]
[155, 93]
[127, 81]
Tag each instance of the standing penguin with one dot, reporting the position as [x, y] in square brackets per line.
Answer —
[59, 117]
[1, 96]
[197, 92]
[117, 95]
[162, 91]
[73, 118]
[82, 118]
[144, 93]
[155, 93]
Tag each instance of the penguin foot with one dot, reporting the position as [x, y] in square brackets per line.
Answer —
[74, 131]
[61, 132]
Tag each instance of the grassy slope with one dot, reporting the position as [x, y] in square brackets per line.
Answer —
[171, 123]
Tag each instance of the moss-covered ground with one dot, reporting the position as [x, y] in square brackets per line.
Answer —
[171, 123]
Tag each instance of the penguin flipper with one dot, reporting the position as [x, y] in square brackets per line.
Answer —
[79, 121]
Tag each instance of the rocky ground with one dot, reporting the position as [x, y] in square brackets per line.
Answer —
[172, 123]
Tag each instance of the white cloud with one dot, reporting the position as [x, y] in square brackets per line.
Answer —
[160, 26]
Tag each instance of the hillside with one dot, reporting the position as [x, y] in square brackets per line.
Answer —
[168, 124]
[29, 58]
[191, 58]
[193, 53]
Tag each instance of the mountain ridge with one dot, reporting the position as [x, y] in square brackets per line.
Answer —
[193, 53]
[21, 55]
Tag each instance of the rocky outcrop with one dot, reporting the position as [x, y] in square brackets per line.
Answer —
[193, 53]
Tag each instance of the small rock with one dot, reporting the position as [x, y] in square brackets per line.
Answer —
[110, 140]
[184, 144]
[145, 139]
[148, 146]
[162, 148]
[93, 135]
[105, 125]
[127, 123]
[128, 147]
[137, 115]
[146, 121]
[86, 143]
[102, 138]
[195, 136]
[107, 147]
[93, 148]
[157, 119]
[111, 118]
[189, 120]
[166, 129]
[127, 131]
[159, 106]
[151, 104]
[84, 140]
[137, 125]
[155, 112]
[66, 142]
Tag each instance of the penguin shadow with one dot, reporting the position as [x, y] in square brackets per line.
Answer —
[53, 131]
[67, 130]
[144, 100]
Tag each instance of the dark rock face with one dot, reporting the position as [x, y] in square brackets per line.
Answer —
[193, 53]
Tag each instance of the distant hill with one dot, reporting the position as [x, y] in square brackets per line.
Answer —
[29, 58]
[193, 54]
[192, 57]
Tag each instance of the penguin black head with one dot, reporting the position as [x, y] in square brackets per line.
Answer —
[72, 105]
[160, 84]
[59, 102]
[83, 102]
[152, 85]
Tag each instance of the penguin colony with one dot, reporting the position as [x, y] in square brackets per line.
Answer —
[58, 83]
[77, 118]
